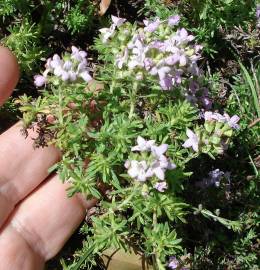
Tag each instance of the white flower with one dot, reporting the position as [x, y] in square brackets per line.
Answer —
[77, 54]
[161, 186]
[159, 167]
[58, 71]
[137, 170]
[117, 21]
[39, 80]
[55, 62]
[106, 33]
[72, 76]
[208, 116]
[232, 121]
[85, 76]
[143, 145]
[109, 32]
[192, 141]
[67, 65]
[159, 150]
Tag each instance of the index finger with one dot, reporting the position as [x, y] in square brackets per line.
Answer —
[9, 73]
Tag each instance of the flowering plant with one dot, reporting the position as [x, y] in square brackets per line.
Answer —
[129, 135]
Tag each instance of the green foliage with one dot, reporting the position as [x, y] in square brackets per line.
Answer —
[96, 129]
[80, 17]
[244, 100]
[24, 42]
[207, 19]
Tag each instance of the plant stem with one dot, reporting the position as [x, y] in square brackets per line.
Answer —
[154, 257]
[133, 99]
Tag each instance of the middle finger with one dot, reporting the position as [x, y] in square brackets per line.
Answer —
[22, 168]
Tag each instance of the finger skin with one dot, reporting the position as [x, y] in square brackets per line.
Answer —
[9, 73]
[22, 168]
[19, 256]
[47, 218]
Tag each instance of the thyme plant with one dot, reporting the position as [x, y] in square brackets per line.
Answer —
[128, 128]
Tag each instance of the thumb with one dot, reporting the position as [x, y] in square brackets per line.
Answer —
[9, 73]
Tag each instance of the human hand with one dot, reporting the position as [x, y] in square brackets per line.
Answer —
[36, 216]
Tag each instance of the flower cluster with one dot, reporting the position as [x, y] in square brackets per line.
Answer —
[69, 68]
[218, 130]
[225, 118]
[153, 163]
[159, 51]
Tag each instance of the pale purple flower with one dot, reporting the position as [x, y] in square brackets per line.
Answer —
[198, 48]
[106, 33]
[182, 37]
[143, 145]
[159, 150]
[109, 32]
[117, 21]
[156, 170]
[85, 76]
[39, 80]
[58, 71]
[159, 167]
[156, 165]
[232, 121]
[183, 60]
[78, 54]
[172, 59]
[137, 170]
[151, 26]
[82, 66]
[177, 77]
[165, 80]
[54, 62]
[163, 71]
[161, 186]
[166, 83]
[174, 20]
[121, 60]
[173, 263]
[209, 116]
[159, 45]
[219, 117]
[72, 76]
[258, 11]
[64, 75]
[192, 141]
[148, 63]
[67, 65]
[194, 69]
[138, 54]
